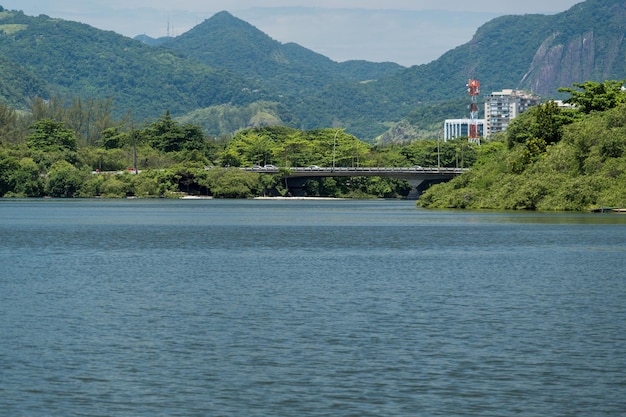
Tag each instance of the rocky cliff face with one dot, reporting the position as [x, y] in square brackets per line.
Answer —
[563, 60]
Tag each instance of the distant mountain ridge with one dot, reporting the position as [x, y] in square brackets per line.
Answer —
[225, 41]
[228, 65]
[152, 41]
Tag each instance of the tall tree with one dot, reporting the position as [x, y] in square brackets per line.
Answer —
[9, 126]
[8, 166]
[167, 135]
[48, 135]
[51, 141]
[596, 96]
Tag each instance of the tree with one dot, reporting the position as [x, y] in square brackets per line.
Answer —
[49, 136]
[49, 142]
[293, 150]
[520, 129]
[234, 183]
[10, 131]
[549, 122]
[8, 166]
[113, 137]
[86, 118]
[537, 128]
[167, 135]
[26, 181]
[64, 180]
[596, 96]
[193, 138]
[248, 147]
[89, 118]
[47, 109]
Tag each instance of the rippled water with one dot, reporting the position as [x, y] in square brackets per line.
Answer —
[308, 308]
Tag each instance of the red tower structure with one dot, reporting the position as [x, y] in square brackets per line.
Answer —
[473, 89]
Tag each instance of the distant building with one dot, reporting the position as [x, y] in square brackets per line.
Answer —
[455, 128]
[503, 106]
[562, 105]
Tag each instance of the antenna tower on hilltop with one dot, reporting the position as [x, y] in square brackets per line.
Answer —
[473, 89]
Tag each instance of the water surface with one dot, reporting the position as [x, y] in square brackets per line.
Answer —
[308, 308]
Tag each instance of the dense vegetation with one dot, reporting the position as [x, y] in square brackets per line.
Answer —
[550, 159]
[78, 149]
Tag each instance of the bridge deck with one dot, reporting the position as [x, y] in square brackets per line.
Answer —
[398, 172]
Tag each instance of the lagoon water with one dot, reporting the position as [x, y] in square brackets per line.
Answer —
[308, 308]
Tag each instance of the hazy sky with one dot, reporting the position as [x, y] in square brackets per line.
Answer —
[408, 32]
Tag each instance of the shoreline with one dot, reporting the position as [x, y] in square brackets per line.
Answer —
[298, 198]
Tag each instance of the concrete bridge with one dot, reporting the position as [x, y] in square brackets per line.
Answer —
[417, 177]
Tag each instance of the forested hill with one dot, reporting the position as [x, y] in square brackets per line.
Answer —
[225, 41]
[225, 68]
[18, 85]
[76, 60]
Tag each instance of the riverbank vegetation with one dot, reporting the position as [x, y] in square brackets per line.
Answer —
[550, 158]
[78, 149]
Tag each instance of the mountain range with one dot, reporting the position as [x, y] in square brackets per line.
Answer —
[224, 74]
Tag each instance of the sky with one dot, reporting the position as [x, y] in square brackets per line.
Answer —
[408, 32]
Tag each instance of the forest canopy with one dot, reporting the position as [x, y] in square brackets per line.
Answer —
[79, 149]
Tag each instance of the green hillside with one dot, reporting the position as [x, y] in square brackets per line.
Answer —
[77, 60]
[317, 91]
[225, 41]
[18, 85]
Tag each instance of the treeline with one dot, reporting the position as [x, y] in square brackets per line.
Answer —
[79, 149]
[550, 158]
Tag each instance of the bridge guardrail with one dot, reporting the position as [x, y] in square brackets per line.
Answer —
[274, 170]
[428, 170]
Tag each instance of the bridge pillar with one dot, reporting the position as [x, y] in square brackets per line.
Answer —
[295, 186]
[415, 189]
[419, 186]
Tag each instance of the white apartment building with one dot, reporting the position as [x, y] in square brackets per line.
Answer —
[503, 106]
[455, 128]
